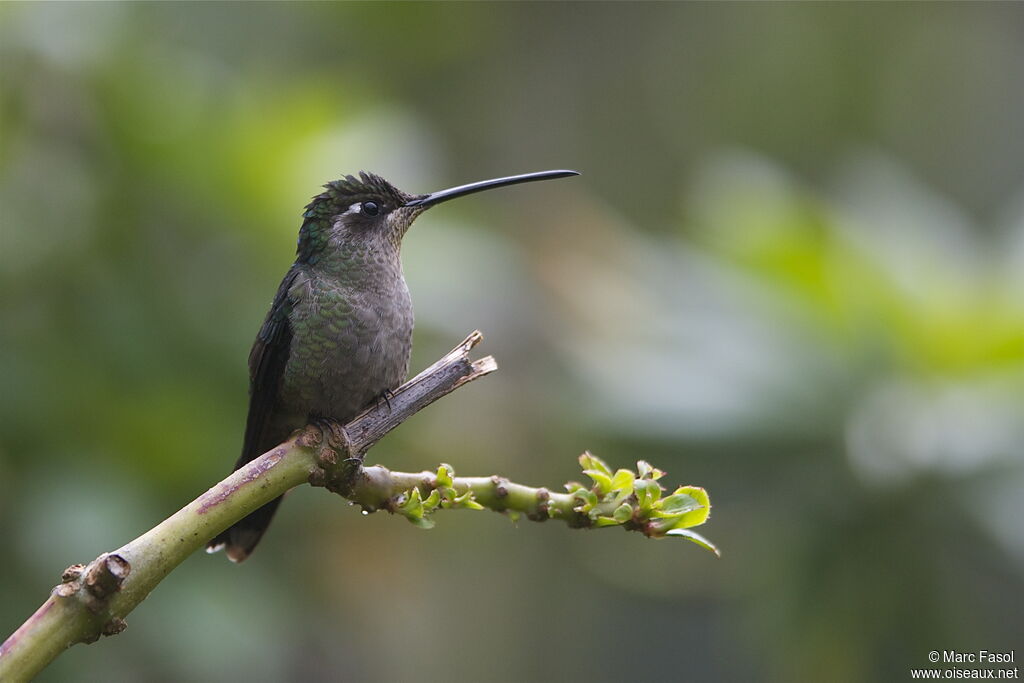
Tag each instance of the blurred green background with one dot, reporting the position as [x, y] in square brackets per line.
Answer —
[792, 272]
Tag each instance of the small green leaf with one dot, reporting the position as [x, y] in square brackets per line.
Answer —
[422, 522]
[697, 516]
[433, 501]
[623, 513]
[696, 538]
[601, 521]
[677, 504]
[699, 494]
[602, 481]
[572, 486]
[620, 497]
[623, 480]
[592, 462]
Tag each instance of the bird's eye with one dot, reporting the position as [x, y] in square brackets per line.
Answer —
[370, 208]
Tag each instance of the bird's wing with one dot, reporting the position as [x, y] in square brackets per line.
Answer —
[267, 361]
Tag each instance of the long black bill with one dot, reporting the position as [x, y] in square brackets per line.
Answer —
[463, 190]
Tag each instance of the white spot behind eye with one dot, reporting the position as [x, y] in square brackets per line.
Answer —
[355, 208]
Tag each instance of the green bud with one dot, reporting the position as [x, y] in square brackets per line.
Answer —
[467, 501]
[445, 473]
[587, 500]
[623, 513]
[647, 493]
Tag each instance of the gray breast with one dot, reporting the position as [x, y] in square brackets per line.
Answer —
[348, 346]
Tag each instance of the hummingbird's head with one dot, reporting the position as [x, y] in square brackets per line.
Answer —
[370, 215]
[366, 212]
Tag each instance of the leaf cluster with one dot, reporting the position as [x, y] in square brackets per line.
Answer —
[418, 510]
[634, 499]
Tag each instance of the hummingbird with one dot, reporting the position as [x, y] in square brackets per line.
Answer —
[339, 332]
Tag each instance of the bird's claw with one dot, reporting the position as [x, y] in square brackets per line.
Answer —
[386, 397]
[334, 434]
[339, 465]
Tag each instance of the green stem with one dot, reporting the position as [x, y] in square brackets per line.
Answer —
[377, 485]
[69, 616]
[630, 500]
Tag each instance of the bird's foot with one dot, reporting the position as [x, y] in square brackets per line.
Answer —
[335, 445]
[334, 434]
[385, 397]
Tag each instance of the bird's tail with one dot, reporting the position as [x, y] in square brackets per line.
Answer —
[239, 539]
